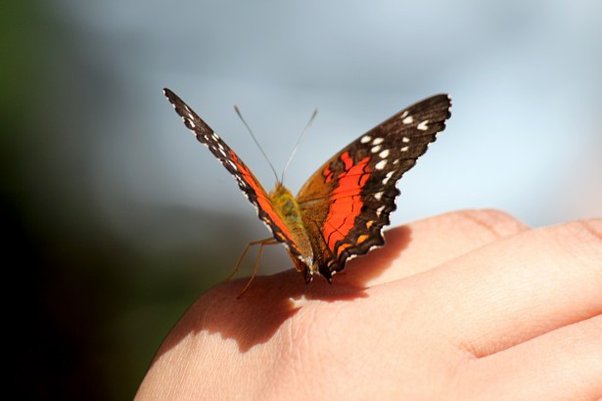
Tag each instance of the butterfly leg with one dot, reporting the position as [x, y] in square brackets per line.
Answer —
[261, 243]
[244, 253]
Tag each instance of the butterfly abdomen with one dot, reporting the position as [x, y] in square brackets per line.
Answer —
[289, 211]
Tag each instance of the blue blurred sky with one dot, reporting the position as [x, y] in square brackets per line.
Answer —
[117, 218]
[525, 134]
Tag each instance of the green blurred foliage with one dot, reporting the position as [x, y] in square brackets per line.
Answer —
[86, 307]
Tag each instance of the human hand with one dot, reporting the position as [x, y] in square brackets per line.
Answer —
[469, 305]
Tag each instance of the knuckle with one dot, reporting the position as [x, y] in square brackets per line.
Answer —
[496, 222]
[582, 240]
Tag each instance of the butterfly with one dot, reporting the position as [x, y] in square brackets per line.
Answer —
[340, 211]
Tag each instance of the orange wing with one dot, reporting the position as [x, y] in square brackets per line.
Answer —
[346, 202]
[247, 182]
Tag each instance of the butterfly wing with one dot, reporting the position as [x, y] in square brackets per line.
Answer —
[346, 202]
[247, 182]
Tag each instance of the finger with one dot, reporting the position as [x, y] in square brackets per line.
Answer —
[424, 244]
[564, 364]
[516, 289]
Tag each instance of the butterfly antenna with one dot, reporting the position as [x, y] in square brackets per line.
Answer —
[255, 140]
[290, 158]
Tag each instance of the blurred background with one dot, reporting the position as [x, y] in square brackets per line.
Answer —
[115, 219]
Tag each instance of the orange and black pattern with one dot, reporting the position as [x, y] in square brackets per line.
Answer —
[363, 175]
[248, 184]
[346, 203]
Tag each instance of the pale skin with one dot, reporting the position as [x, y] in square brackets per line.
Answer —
[469, 305]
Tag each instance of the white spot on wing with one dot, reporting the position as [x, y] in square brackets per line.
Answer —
[380, 210]
[378, 195]
[384, 153]
[408, 120]
[381, 164]
[366, 139]
[375, 149]
[405, 139]
[374, 247]
[423, 126]
[377, 141]
[404, 114]
[387, 177]
[405, 148]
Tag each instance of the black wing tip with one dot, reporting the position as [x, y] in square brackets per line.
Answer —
[440, 101]
[449, 106]
[442, 96]
[169, 94]
[443, 99]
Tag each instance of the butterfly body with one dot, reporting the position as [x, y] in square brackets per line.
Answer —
[340, 211]
[289, 210]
